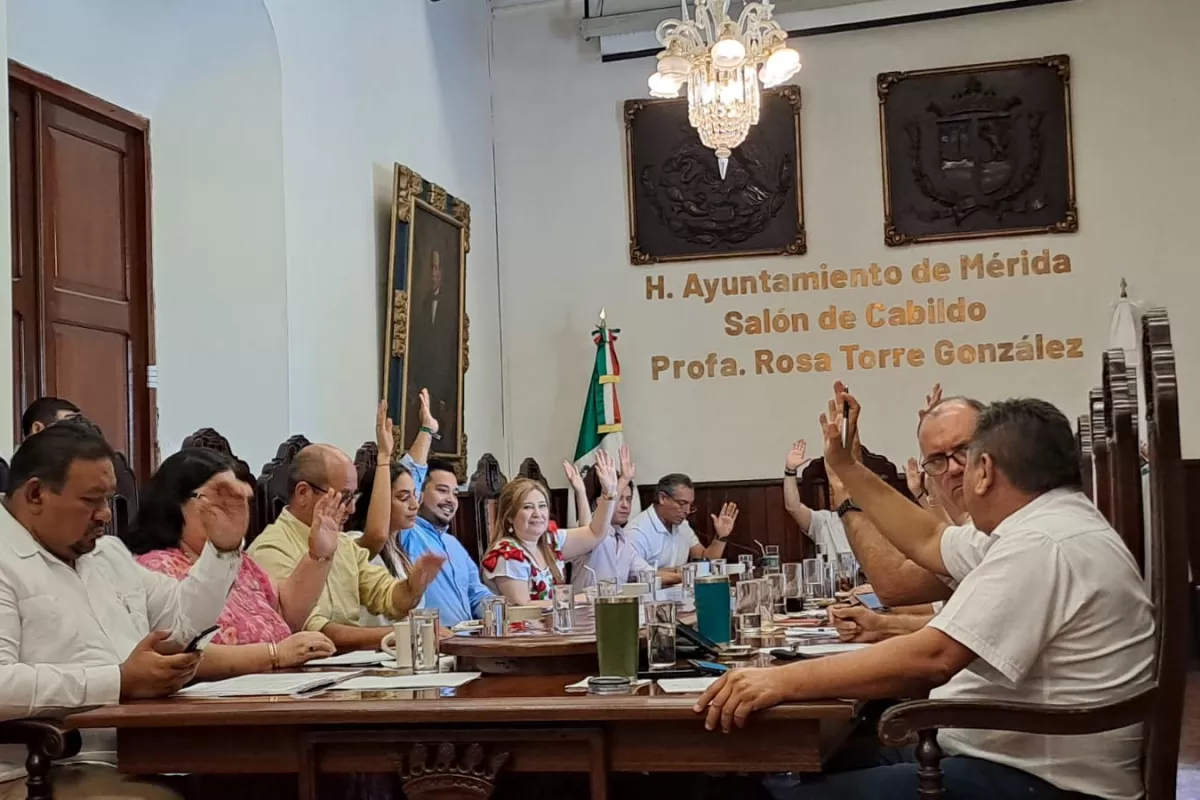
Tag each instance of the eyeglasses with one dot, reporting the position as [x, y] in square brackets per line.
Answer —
[938, 464]
[347, 495]
[686, 506]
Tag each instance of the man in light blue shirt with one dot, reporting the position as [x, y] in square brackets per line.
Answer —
[662, 534]
[457, 592]
[616, 556]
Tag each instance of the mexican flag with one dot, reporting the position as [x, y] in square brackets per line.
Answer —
[601, 424]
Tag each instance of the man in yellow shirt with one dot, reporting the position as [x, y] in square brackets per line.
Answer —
[353, 582]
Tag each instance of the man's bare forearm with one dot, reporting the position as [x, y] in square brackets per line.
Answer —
[354, 637]
[896, 579]
[911, 529]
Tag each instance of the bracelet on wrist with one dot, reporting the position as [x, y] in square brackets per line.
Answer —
[273, 653]
[789, 473]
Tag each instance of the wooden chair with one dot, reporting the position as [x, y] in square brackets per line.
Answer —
[1124, 465]
[1102, 490]
[1083, 442]
[1159, 708]
[124, 502]
[210, 439]
[47, 740]
[485, 486]
[271, 489]
[365, 459]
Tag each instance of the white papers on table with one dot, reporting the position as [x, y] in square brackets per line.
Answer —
[582, 685]
[433, 680]
[810, 633]
[686, 685]
[353, 659]
[270, 683]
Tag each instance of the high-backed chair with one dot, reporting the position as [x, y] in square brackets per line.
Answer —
[485, 486]
[1083, 443]
[124, 502]
[1102, 490]
[814, 480]
[1159, 708]
[210, 439]
[271, 491]
[47, 741]
[1124, 465]
[365, 459]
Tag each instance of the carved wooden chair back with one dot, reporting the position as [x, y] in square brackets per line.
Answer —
[124, 502]
[1159, 708]
[1102, 488]
[365, 459]
[485, 486]
[814, 480]
[1083, 443]
[210, 439]
[1124, 465]
[271, 491]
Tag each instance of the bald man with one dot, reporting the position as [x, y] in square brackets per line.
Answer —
[353, 582]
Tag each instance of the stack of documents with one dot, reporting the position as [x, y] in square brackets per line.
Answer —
[432, 680]
[351, 659]
[686, 685]
[268, 683]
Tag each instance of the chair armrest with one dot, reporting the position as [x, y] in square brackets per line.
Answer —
[900, 723]
[48, 737]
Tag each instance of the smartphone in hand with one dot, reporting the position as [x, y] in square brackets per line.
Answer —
[202, 640]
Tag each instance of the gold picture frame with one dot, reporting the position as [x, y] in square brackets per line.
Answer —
[426, 334]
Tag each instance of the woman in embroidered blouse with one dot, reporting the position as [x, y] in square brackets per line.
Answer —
[525, 558]
[173, 523]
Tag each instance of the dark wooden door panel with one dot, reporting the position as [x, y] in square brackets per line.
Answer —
[82, 263]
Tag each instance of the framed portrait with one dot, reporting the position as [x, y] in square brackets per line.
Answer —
[680, 209]
[977, 151]
[427, 326]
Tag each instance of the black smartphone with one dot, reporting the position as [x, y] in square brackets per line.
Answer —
[709, 667]
[699, 640]
[201, 641]
[653, 675]
[871, 601]
[784, 654]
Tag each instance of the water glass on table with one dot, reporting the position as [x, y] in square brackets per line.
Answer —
[660, 635]
[748, 607]
[687, 574]
[771, 560]
[717, 565]
[793, 588]
[562, 598]
[607, 587]
[425, 626]
[777, 590]
[815, 579]
[847, 572]
[747, 562]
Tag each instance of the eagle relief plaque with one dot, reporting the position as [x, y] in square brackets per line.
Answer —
[977, 151]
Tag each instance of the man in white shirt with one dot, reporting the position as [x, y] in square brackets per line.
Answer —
[662, 534]
[81, 623]
[1051, 611]
[824, 528]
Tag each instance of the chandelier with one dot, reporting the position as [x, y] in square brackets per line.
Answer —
[725, 63]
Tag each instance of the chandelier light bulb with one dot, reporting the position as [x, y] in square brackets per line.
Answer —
[781, 65]
[674, 67]
[663, 86]
[728, 53]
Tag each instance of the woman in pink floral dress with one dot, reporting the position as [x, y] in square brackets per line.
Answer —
[525, 557]
[256, 628]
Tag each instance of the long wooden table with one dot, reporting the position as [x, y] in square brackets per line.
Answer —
[451, 743]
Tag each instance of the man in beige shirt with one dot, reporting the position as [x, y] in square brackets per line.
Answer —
[353, 583]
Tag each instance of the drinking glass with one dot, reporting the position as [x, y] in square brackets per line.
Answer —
[562, 598]
[771, 559]
[777, 585]
[749, 601]
[815, 580]
[617, 636]
[424, 640]
[747, 562]
[793, 588]
[607, 587]
[847, 572]
[718, 566]
[688, 574]
[495, 616]
[660, 635]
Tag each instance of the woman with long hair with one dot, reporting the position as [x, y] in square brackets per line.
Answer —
[524, 557]
[256, 627]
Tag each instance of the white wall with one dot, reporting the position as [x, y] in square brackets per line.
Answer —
[207, 76]
[365, 85]
[563, 224]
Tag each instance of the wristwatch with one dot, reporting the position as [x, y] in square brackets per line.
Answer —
[846, 507]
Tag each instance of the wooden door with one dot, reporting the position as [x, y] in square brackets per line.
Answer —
[81, 266]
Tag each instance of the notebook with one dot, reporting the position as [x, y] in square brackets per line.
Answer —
[352, 659]
[269, 683]
[686, 685]
[434, 680]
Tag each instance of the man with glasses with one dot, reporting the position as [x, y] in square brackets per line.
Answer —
[353, 583]
[662, 535]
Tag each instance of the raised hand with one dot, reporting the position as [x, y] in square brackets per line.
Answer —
[606, 472]
[797, 456]
[222, 509]
[932, 399]
[836, 454]
[384, 437]
[427, 418]
[326, 526]
[844, 400]
[914, 478]
[424, 571]
[573, 476]
[302, 647]
[723, 524]
[628, 468]
[148, 673]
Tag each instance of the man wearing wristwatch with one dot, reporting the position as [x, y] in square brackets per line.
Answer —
[662, 534]
[823, 527]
